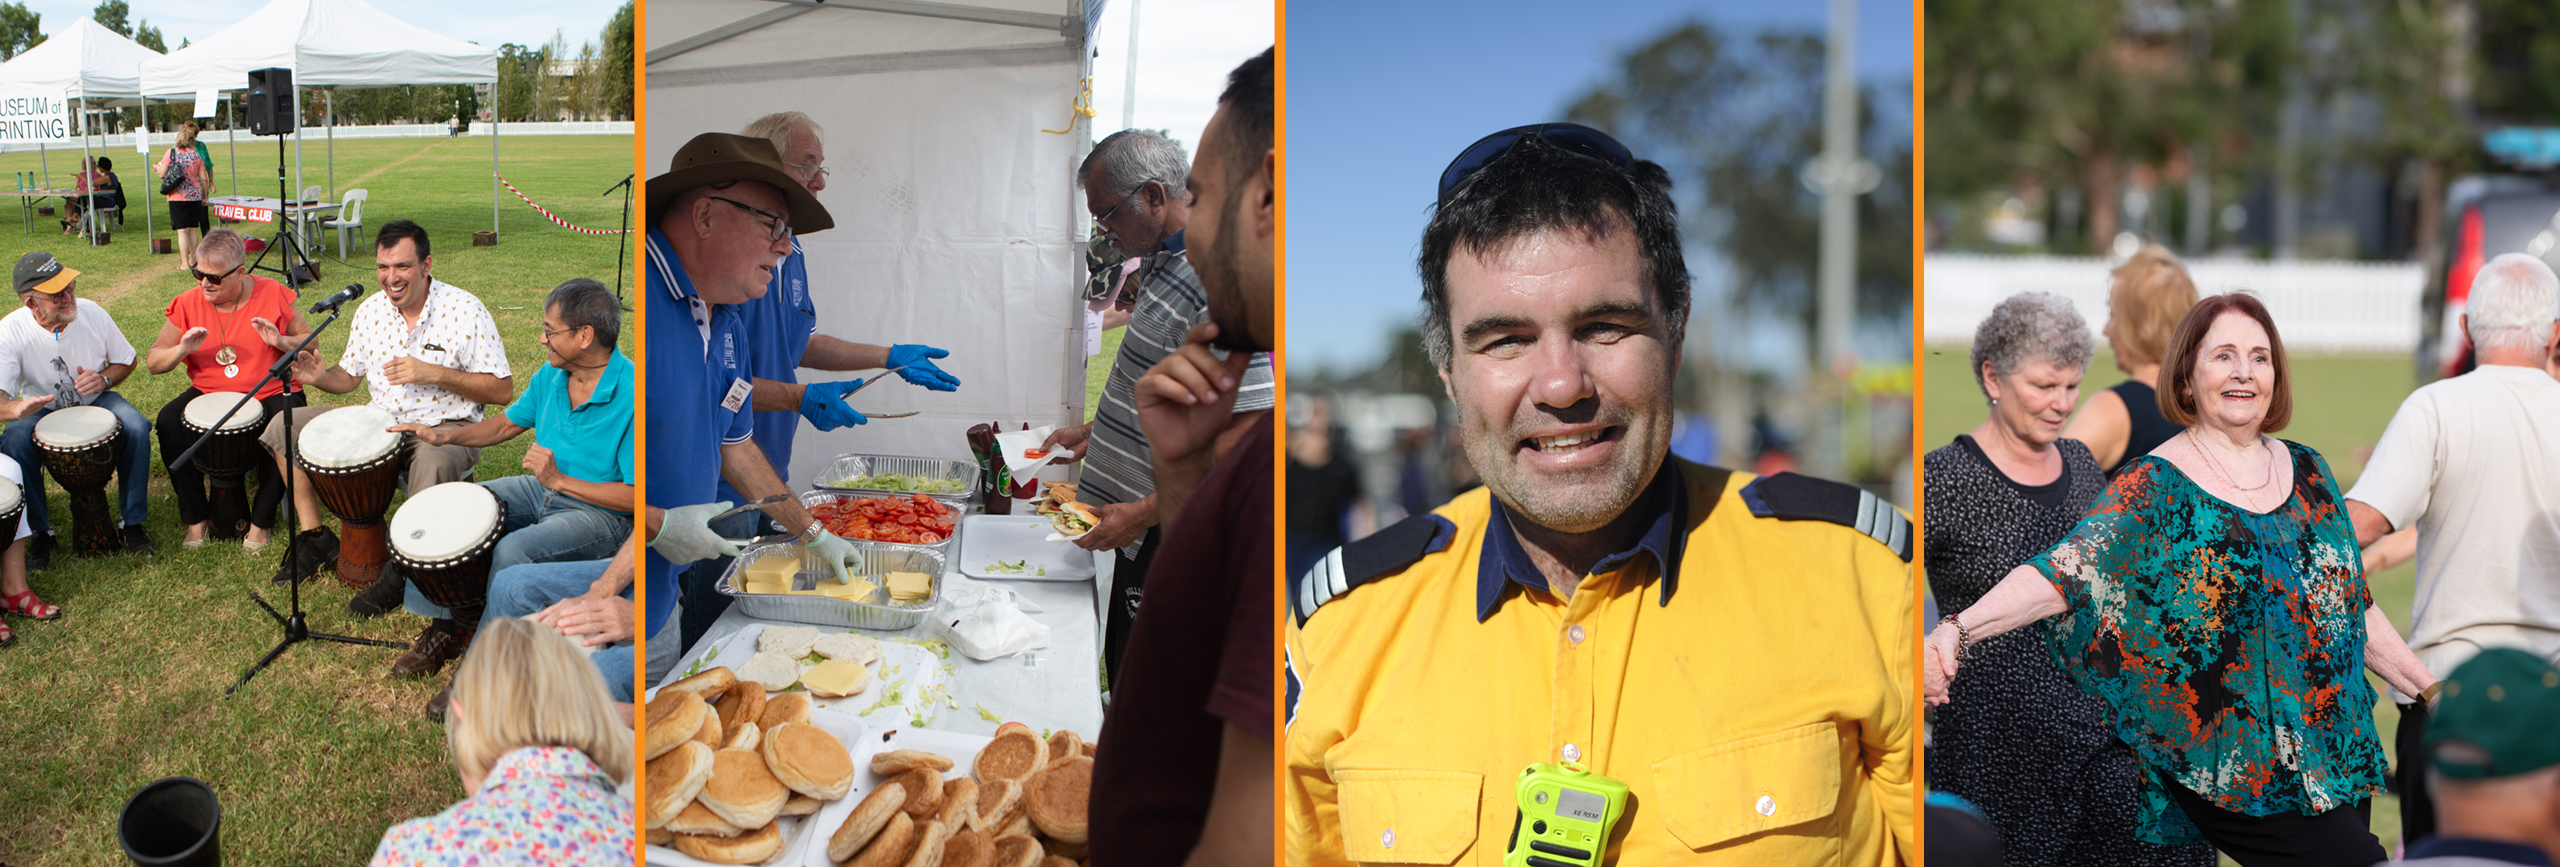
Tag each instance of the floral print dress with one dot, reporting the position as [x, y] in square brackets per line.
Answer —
[538, 805]
[2228, 645]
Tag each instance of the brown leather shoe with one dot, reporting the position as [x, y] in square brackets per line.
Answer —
[436, 705]
[436, 645]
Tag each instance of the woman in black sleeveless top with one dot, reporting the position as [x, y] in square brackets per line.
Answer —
[2148, 295]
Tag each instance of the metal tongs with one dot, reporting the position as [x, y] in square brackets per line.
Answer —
[848, 396]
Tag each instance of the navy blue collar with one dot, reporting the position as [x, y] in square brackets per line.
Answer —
[1173, 243]
[2492, 850]
[1664, 506]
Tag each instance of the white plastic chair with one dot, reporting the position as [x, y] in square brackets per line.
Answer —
[311, 193]
[350, 216]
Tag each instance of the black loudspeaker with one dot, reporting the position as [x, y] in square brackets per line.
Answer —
[270, 102]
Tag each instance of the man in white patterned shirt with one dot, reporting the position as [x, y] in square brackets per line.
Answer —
[427, 353]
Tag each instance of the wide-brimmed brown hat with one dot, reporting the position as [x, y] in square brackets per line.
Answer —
[719, 157]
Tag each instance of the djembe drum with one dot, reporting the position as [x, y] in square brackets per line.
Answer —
[227, 457]
[355, 463]
[79, 446]
[442, 539]
[13, 505]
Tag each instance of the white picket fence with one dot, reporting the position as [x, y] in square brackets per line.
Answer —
[119, 145]
[2318, 306]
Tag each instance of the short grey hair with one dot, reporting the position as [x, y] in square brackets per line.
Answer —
[1132, 157]
[2513, 302]
[2029, 326]
[583, 301]
[224, 241]
[777, 127]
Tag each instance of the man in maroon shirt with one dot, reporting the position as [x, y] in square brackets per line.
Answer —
[1182, 773]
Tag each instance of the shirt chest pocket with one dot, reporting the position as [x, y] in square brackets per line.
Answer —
[1725, 792]
[1408, 817]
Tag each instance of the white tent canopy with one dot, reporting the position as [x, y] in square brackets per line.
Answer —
[957, 220]
[87, 61]
[324, 42]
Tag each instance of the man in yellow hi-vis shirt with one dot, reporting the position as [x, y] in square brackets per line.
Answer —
[1737, 651]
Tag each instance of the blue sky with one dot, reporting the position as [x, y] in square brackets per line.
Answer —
[1382, 95]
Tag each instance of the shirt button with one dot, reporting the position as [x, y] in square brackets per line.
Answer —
[1388, 839]
[1574, 632]
[1768, 806]
[1572, 753]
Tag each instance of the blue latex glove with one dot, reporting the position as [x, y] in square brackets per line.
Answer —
[822, 403]
[910, 361]
[685, 535]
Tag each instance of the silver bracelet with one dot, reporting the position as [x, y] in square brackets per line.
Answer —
[816, 528]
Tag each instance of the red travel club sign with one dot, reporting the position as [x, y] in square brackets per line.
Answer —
[251, 213]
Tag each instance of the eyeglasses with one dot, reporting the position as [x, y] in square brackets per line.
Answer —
[202, 277]
[548, 333]
[1124, 200]
[813, 168]
[781, 224]
[1570, 137]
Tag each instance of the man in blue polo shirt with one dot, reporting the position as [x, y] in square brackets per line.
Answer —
[780, 336]
[574, 502]
[721, 221]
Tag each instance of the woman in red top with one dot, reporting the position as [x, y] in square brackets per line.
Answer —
[227, 330]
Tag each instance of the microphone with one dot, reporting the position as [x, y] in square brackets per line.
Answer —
[330, 304]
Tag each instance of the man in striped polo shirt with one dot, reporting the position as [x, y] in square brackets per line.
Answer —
[1135, 185]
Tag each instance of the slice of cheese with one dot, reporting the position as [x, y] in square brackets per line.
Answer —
[767, 587]
[836, 677]
[909, 586]
[773, 569]
[856, 591]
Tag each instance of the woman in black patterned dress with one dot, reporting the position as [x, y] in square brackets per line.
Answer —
[2033, 751]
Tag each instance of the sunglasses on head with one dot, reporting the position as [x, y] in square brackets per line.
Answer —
[1570, 137]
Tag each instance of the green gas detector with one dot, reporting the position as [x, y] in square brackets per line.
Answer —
[1564, 816]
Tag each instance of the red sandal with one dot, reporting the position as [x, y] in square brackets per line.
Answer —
[8, 636]
[27, 605]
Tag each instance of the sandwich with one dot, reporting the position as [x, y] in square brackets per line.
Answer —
[1073, 519]
[1052, 496]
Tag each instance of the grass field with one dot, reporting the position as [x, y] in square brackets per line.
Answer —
[315, 758]
[2340, 406]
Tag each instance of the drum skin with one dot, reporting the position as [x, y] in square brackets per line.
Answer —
[461, 581]
[359, 495]
[226, 459]
[83, 472]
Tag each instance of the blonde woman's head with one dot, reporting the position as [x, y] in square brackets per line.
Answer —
[2150, 294]
[522, 685]
[187, 133]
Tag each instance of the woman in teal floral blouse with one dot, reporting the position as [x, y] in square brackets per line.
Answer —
[2214, 599]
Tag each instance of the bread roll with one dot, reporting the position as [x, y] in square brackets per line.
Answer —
[1062, 743]
[789, 707]
[743, 702]
[1015, 850]
[709, 732]
[848, 646]
[867, 819]
[1063, 849]
[801, 805]
[968, 849]
[745, 736]
[788, 642]
[890, 847]
[1055, 861]
[996, 800]
[706, 686]
[959, 803]
[673, 719]
[699, 821]
[661, 837]
[894, 762]
[929, 840]
[1056, 797]
[809, 761]
[1014, 754]
[742, 790]
[924, 794]
[774, 671]
[748, 848]
[674, 778]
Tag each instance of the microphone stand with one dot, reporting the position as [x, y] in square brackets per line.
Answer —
[296, 629]
[623, 248]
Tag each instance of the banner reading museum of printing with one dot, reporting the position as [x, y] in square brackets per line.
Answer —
[34, 114]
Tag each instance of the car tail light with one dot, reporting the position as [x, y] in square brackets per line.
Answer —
[2467, 259]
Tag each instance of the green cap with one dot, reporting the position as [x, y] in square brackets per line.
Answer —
[2495, 719]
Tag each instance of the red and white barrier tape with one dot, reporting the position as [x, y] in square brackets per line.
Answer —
[502, 180]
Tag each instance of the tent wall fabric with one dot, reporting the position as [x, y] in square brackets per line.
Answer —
[958, 222]
[324, 42]
[86, 61]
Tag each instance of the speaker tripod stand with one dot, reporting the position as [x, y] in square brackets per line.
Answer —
[297, 268]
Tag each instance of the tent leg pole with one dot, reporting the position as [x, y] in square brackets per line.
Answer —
[330, 103]
[493, 164]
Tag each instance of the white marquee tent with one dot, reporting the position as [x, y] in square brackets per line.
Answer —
[89, 64]
[345, 43]
[958, 223]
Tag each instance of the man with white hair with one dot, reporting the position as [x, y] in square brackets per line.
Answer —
[2474, 463]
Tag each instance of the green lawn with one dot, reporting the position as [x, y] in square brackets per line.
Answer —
[315, 758]
[2340, 405]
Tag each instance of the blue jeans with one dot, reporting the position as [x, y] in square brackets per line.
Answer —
[542, 527]
[133, 475]
[531, 587]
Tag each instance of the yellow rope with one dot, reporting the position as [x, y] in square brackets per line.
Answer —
[1083, 105]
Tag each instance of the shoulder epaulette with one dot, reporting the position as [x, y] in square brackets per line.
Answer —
[1794, 497]
[1381, 553]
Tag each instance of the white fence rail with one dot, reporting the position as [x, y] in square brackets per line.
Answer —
[2318, 306]
[122, 145]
